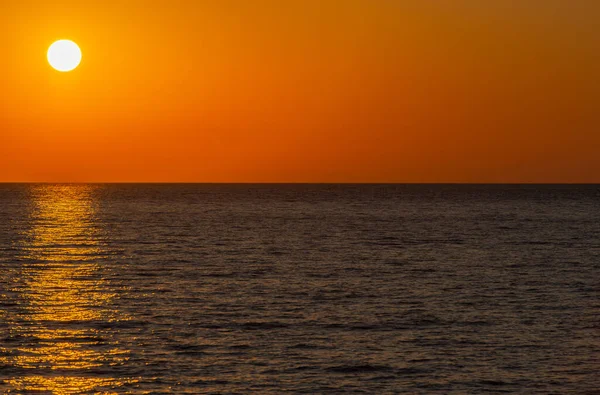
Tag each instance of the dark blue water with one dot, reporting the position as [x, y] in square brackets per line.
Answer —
[153, 289]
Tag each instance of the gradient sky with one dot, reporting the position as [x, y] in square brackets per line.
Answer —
[302, 91]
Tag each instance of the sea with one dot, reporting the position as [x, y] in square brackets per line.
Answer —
[300, 289]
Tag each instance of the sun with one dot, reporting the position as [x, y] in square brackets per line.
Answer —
[64, 55]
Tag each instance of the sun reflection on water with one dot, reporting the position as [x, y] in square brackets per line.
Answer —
[65, 299]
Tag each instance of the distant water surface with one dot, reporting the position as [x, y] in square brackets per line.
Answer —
[189, 289]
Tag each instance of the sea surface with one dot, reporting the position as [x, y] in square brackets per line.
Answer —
[307, 289]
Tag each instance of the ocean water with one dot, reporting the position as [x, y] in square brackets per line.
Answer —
[270, 289]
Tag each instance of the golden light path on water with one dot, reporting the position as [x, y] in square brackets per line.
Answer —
[65, 292]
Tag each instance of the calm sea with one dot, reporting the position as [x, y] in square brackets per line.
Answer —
[269, 289]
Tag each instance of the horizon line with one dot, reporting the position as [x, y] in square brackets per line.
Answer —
[283, 183]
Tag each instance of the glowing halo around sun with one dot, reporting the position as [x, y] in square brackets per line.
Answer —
[64, 55]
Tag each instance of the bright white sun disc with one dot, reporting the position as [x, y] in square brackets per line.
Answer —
[64, 55]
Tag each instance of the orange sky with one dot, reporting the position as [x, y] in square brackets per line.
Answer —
[302, 91]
